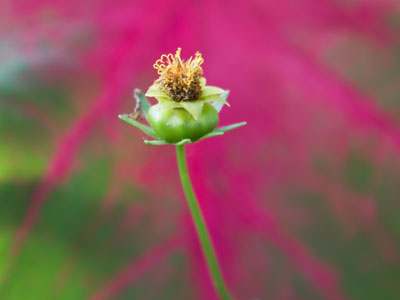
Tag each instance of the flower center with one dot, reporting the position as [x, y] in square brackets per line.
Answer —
[181, 80]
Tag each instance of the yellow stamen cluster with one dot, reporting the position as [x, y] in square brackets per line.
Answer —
[181, 80]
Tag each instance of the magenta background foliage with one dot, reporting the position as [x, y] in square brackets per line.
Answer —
[302, 203]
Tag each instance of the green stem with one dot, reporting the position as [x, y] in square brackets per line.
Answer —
[201, 228]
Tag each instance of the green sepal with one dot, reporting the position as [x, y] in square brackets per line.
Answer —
[146, 129]
[211, 134]
[194, 108]
[156, 142]
[211, 90]
[162, 142]
[215, 98]
[143, 102]
[183, 142]
[155, 91]
[169, 104]
[218, 105]
[230, 127]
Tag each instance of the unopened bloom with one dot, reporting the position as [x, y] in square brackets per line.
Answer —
[184, 113]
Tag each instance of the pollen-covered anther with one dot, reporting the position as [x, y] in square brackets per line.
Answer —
[181, 80]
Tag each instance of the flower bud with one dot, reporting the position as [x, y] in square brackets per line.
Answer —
[184, 110]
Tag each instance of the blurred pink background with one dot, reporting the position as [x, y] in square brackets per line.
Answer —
[302, 203]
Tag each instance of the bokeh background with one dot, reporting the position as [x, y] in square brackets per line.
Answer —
[302, 203]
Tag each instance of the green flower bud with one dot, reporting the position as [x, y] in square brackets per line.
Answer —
[176, 124]
[184, 110]
[187, 109]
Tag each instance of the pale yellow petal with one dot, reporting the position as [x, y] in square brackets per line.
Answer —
[211, 90]
[155, 91]
[203, 81]
[170, 104]
[215, 98]
[163, 99]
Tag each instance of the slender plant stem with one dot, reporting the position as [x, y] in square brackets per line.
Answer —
[201, 227]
